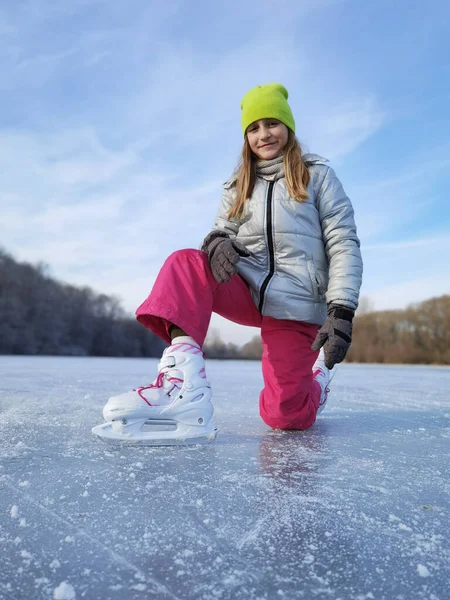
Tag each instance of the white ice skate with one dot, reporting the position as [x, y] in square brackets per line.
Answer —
[323, 376]
[175, 409]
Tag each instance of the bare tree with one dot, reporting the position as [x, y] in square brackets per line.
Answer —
[420, 334]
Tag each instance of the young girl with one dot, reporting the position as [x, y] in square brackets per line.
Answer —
[283, 256]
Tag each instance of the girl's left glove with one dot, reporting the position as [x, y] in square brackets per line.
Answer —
[335, 334]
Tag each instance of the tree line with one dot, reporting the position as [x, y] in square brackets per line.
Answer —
[419, 334]
[40, 315]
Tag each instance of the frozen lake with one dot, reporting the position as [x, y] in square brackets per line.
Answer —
[355, 508]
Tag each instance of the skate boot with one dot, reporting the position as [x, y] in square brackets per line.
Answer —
[175, 409]
[323, 376]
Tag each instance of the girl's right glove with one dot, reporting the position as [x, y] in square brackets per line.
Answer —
[335, 335]
[223, 254]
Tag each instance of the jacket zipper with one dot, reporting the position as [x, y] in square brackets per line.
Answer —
[270, 245]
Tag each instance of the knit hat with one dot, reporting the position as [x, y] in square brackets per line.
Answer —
[267, 102]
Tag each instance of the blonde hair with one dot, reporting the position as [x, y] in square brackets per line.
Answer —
[295, 169]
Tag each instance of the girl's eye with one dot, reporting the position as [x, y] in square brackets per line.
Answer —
[273, 124]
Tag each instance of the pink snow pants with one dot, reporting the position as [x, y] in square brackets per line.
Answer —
[185, 293]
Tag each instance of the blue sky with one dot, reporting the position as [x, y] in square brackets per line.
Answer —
[120, 120]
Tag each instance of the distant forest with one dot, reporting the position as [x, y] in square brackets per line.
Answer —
[419, 334]
[39, 315]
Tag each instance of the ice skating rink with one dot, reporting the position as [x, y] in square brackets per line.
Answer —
[355, 508]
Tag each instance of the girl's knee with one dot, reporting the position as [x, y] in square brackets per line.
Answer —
[186, 254]
[297, 413]
[188, 259]
[298, 422]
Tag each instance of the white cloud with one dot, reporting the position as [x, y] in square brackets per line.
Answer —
[97, 217]
[435, 244]
[339, 131]
[392, 203]
[405, 293]
[399, 273]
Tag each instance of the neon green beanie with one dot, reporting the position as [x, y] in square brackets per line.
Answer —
[267, 102]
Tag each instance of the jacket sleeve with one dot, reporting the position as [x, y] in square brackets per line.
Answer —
[221, 224]
[342, 245]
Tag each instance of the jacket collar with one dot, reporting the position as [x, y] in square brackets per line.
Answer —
[310, 159]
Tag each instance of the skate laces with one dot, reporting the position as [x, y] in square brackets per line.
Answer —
[158, 384]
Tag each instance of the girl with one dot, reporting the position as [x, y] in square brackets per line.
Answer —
[283, 256]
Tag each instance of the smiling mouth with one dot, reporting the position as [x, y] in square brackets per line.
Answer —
[267, 145]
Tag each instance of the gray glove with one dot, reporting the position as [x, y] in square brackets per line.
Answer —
[335, 334]
[223, 255]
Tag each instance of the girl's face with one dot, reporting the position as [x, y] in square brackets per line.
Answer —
[267, 138]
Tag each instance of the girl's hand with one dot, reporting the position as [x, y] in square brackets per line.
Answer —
[335, 334]
[223, 254]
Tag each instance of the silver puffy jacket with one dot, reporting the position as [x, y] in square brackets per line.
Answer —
[304, 254]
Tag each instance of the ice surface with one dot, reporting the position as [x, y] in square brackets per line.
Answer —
[355, 508]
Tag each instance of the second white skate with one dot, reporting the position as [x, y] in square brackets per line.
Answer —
[323, 376]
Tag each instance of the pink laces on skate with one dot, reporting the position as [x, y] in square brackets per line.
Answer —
[158, 385]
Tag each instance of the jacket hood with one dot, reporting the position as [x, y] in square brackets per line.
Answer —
[314, 159]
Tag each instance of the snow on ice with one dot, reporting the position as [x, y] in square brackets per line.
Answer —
[357, 507]
[64, 592]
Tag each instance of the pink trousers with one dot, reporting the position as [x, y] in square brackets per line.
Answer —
[185, 293]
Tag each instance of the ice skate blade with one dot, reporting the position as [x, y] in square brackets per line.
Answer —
[132, 433]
